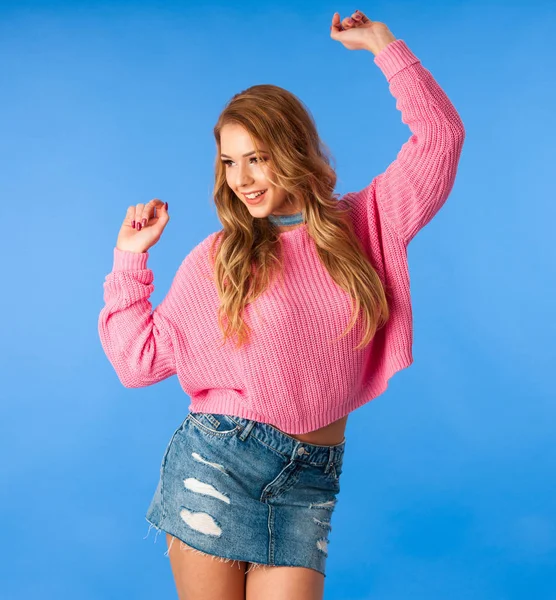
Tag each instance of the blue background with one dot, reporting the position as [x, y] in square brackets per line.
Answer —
[448, 486]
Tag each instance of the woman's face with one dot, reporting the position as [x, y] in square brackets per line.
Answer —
[244, 174]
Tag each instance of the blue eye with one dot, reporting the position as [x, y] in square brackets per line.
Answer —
[227, 162]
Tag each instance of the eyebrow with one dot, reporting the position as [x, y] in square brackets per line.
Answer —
[248, 154]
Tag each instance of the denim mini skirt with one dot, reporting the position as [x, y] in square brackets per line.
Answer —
[242, 490]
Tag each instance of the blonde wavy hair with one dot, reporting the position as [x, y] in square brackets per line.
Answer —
[249, 252]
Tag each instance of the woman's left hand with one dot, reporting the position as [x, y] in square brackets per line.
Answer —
[358, 32]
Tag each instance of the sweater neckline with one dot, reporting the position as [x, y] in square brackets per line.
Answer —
[290, 232]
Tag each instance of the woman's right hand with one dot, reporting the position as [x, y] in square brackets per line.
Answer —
[148, 227]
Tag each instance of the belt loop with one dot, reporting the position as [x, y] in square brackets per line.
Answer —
[244, 434]
[331, 452]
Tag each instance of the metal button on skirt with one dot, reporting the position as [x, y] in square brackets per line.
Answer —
[244, 490]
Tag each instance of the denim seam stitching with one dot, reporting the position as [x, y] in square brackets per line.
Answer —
[163, 467]
[203, 427]
[313, 464]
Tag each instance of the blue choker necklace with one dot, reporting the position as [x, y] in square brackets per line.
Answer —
[286, 219]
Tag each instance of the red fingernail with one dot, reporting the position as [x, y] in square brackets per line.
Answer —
[138, 226]
[133, 223]
[166, 206]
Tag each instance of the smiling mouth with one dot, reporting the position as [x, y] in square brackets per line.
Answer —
[250, 193]
[256, 199]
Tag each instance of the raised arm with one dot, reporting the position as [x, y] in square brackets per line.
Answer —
[138, 343]
[415, 185]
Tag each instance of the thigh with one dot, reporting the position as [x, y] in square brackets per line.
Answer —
[284, 583]
[200, 576]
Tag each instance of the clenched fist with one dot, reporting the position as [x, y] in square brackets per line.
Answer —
[141, 228]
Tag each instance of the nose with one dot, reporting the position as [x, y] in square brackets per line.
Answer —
[243, 178]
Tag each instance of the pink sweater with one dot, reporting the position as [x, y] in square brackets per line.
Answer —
[292, 374]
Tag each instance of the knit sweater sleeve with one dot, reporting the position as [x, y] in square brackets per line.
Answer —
[137, 341]
[415, 186]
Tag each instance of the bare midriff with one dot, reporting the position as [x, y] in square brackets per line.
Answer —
[330, 435]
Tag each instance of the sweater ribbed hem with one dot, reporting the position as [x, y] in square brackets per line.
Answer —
[394, 58]
[129, 261]
[230, 405]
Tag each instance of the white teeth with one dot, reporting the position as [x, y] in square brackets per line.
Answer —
[251, 196]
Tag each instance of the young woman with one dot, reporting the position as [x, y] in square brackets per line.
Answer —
[278, 326]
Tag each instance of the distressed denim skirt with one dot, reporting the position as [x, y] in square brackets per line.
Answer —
[242, 490]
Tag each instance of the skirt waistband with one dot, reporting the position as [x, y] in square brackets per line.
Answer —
[290, 447]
